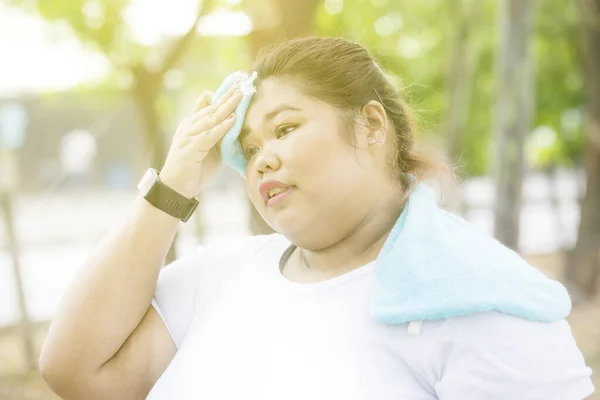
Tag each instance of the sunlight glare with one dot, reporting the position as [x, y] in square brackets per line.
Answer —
[225, 23]
[150, 21]
[38, 56]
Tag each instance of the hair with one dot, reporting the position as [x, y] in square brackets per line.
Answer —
[343, 74]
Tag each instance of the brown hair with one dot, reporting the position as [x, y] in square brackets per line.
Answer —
[343, 74]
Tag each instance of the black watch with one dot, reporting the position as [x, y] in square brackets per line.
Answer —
[164, 198]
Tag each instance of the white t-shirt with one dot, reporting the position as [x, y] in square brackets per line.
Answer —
[243, 331]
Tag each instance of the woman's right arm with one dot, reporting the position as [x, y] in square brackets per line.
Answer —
[104, 326]
[106, 341]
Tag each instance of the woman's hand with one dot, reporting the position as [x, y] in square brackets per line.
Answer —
[195, 157]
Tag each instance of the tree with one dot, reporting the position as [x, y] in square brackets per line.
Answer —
[25, 326]
[104, 28]
[513, 114]
[279, 20]
[275, 21]
[463, 62]
[463, 59]
[584, 268]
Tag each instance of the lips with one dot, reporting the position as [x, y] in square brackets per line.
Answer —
[276, 199]
[271, 184]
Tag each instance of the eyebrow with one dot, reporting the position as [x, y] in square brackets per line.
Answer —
[268, 117]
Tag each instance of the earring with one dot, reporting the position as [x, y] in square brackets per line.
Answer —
[371, 142]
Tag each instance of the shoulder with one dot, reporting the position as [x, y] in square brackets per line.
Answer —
[497, 330]
[216, 255]
[178, 284]
[497, 356]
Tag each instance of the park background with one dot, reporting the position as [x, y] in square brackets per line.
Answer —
[91, 92]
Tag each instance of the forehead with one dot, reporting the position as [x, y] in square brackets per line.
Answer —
[271, 94]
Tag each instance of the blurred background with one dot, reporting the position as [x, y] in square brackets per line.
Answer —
[91, 92]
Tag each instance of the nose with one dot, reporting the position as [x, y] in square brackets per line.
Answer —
[268, 159]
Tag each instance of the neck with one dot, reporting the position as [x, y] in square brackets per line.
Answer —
[358, 248]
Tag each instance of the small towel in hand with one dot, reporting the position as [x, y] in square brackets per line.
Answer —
[231, 150]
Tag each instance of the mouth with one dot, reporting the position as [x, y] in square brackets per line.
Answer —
[273, 191]
[277, 195]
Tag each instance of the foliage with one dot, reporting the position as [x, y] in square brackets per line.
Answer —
[412, 43]
[411, 40]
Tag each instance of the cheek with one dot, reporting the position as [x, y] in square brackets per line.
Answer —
[338, 164]
[331, 157]
[331, 172]
[317, 150]
[252, 183]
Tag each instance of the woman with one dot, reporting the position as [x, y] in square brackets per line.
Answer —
[328, 157]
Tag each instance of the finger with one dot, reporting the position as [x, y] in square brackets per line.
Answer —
[214, 135]
[212, 119]
[212, 108]
[203, 101]
[228, 106]
[230, 92]
[208, 110]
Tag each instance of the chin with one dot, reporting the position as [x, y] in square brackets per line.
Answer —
[282, 222]
[296, 229]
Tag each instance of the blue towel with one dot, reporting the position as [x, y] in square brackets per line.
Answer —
[434, 265]
[231, 150]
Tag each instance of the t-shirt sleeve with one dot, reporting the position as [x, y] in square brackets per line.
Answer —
[178, 283]
[502, 357]
[175, 294]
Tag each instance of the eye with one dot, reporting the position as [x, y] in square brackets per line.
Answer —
[250, 151]
[283, 130]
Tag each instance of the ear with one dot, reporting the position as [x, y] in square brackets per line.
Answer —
[376, 120]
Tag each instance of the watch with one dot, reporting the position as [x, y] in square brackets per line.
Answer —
[164, 198]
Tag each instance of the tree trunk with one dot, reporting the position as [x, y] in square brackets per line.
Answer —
[145, 94]
[554, 193]
[279, 20]
[13, 249]
[513, 112]
[464, 58]
[584, 268]
[275, 21]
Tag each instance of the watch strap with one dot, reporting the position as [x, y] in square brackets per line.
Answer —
[168, 200]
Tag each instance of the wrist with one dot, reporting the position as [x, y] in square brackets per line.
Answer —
[172, 200]
[179, 182]
[145, 209]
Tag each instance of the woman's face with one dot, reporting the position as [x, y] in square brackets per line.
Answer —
[332, 186]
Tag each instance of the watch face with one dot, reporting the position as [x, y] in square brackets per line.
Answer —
[147, 181]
